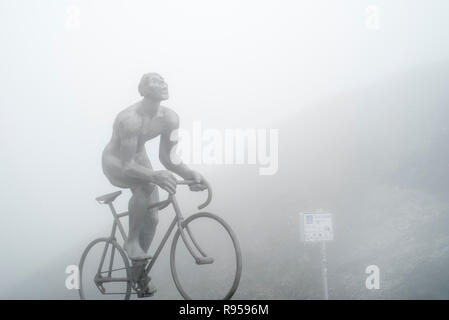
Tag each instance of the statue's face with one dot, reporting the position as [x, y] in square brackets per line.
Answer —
[156, 87]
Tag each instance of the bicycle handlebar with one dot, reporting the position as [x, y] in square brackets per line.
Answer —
[209, 191]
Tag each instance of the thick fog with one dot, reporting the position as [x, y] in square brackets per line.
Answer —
[358, 91]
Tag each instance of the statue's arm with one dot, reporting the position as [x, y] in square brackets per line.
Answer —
[129, 139]
[167, 148]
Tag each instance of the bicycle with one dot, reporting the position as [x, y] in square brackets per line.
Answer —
[125, 274]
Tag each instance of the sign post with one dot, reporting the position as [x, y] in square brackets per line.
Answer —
[317, 227]
[324, 270]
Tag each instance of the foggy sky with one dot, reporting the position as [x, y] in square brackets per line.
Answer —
[228, 64]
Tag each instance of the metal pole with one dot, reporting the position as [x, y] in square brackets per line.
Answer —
[324, 270]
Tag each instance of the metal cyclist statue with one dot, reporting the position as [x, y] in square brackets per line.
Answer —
[126, 164]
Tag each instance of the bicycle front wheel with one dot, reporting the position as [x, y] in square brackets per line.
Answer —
[104, 271]
[217, 275]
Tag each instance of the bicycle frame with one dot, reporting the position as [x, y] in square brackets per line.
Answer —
[178, 220]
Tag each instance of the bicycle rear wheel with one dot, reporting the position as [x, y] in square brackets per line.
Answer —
[104, 271]
[215, 239]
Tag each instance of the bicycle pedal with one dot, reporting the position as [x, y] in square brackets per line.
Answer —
[101, 288]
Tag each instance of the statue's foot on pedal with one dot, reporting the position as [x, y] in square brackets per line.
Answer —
[149, 291]
[144, 286]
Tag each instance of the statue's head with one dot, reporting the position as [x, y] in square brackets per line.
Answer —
[153, 86]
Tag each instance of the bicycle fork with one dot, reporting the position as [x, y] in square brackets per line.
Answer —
[203, 258]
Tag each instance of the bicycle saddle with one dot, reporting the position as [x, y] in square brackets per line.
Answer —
[108, 198]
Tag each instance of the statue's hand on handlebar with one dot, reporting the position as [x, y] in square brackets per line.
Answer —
[166, 180]
[200, 183]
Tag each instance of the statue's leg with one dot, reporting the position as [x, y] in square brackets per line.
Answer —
[138, 209]
[150, 220]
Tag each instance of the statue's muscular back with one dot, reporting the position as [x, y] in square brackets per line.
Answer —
[132, 123]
